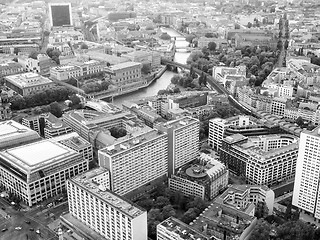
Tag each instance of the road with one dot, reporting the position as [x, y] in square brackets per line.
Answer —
[40, 218]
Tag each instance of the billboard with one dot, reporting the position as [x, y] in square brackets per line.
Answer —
[60, 14]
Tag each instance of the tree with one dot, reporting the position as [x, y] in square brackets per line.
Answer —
[46, 33]
[34, 55]
[16, 51]
[286, 44]
[55, 109]
[261, 231]
[161, 202]
[209, 35]
[175, 79]
[189, 38]
[249, 25]
[146, 68]
[261, 210]
[149, 27]
[176, 90]
[194, 56]
[212, 46]
[300, 121]
[279, 45]
[84, 46]
[190, 215]
[236, 26]
[165, 36]
[117, 132]
[15, 59]
[168, 211]
[75, 100]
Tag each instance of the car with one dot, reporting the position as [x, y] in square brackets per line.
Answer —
[31, 229]
[4, 229]
[27, 222]
[38, 231]
[3, 208]
[18, 228]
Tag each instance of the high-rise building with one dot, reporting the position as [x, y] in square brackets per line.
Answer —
[108, 214]
[60, 14]
[136, 161]
[306, 192]
[39, 170]
[183, 141]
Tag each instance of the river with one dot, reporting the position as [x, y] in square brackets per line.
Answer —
[164, 80]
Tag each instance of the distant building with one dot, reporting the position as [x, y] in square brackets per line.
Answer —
[136, 162]
[38, 170]
[28, 83]
[10, 68]
[60, 14]
[204, 178]
[184, 100]
[151, 58]
[41, 65]
[124, 73]
[5, 107]
[183, 141]
[47, 125]
[108, 214]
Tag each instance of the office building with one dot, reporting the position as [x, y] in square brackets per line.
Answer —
[203, 178]
[60, 14]
[136, 161]
[75, 142]
[241, 195]
[47, 125]
[306, 186]
[13, 134]
[262, 160]
[174, 229]
[39, 170]
[217, 128]
[183, 141]
[28, 83]
[108, 214]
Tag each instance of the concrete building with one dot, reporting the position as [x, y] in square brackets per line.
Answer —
[183, 141]
[262, 160]
[41, 65]
[242, 195]
[136, 161]
[306, 186]
[105, 212]
[218, 126]
[174, 229]
[46, 125]
[13, 134]
[60, 14]
[28, 83]
[38, 170]
[204, 178]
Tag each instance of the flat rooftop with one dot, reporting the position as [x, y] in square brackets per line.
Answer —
[124, 65]
[132, 142]
[36, 154]
[184, 230]
[86, 182]
[12, 133]
[181, 122]
[29, 79]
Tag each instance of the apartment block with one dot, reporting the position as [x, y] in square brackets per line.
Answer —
[103, 211]
[306, 190]
[136, 161]
[183, 141]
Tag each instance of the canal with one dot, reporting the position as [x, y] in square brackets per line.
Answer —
[161, 83]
